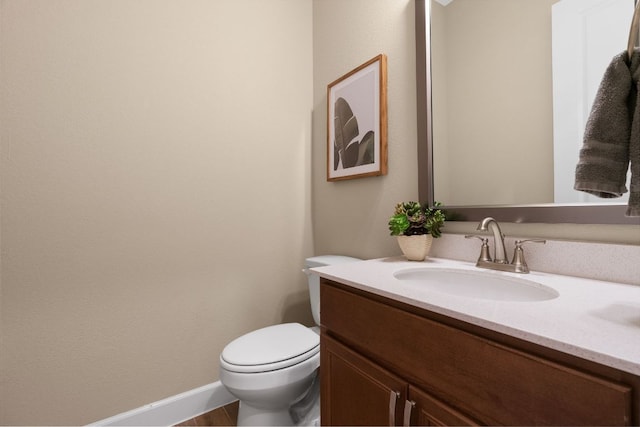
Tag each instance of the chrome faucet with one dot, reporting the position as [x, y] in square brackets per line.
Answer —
[500, 252]
[500, 261]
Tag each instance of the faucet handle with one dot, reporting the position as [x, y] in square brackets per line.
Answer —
[518, 255]
[471, 236]
[520, 242]
[484, 249]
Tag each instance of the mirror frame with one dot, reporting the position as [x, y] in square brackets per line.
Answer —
[539, 213]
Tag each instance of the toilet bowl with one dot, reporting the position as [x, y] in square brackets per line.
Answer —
[269, 380]
[273, 371]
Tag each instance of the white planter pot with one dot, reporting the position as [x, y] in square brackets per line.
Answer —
[415, 248]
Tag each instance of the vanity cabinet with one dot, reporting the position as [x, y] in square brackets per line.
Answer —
[384, 362]
[359, 392]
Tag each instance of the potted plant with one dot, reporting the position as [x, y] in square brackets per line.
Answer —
[415, 226]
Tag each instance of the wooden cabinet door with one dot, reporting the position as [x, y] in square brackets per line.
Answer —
[429, 411]
[355, 391]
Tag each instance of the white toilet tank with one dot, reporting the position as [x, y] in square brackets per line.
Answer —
[314, 279]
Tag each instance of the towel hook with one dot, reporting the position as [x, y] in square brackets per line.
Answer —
[634, 31]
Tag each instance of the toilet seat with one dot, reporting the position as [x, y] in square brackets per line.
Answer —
[271, 348]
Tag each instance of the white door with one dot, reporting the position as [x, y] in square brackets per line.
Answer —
[586, 34]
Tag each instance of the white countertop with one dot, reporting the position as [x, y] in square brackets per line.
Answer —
[591, 319]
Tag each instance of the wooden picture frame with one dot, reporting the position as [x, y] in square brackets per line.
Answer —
[357, 122]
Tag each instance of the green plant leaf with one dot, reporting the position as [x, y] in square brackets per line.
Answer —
[412, 218]
[398, 224]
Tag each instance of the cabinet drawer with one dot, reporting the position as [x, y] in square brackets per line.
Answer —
[357, 392]
[493, 383]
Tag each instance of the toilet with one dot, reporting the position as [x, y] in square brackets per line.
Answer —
[273, 371]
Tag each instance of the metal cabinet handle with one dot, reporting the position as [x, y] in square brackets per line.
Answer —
[408, 407]
[393, 397]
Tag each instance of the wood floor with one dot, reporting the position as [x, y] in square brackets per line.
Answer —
[225, 416]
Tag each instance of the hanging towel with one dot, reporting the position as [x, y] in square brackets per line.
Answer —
[604, 157]
[634, 143]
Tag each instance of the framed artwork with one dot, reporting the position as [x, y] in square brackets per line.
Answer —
[357, 122]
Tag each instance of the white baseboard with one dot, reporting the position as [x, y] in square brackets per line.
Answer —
[175, 409]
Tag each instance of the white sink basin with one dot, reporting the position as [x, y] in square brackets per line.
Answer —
[476, 284]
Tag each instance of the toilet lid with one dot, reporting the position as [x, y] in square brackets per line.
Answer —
[288, 342]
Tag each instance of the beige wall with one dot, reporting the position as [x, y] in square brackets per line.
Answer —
[351, 216]
[155, 194]
[484, 82]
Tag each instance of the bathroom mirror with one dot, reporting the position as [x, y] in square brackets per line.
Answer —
[500, 63]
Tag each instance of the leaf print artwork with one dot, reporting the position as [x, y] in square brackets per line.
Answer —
[357, 122]
[347, 149]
